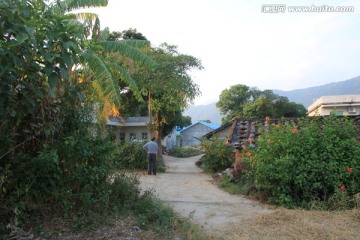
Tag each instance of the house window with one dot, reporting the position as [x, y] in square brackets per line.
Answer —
[337, 113]
[132, 136]
[122, 136]
[144, 136]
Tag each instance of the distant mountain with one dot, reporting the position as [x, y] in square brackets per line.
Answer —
[307, 96]
[204, 112]
[304, 96]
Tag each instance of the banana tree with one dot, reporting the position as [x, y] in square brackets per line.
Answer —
[101, 61]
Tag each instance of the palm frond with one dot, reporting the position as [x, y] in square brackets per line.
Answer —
[64, 6]
[128, 80]
[128, 51]
[102, 74]
[77, 4]
[106, 108]
[85, 16]
[136, 43]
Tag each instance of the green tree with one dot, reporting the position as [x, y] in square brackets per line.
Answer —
[38, 50]
[185, 121]
[102, 61]
[103, 64]
[232, 100]
[131, 104]
[130, 34]
[259, 108]
[243, 101]
[169, 89]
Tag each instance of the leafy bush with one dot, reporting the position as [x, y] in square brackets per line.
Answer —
[307, 163]
[87, 164]
[184, 152]
[40, 104]
[131, 155]
[218, 155]
[124, 192]
[152, 212]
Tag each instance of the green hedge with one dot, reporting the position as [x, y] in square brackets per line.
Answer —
[184, 152]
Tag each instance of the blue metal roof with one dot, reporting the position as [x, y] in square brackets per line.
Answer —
[210, 125]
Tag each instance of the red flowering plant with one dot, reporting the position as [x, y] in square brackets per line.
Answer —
[295, 165]
[248, 147]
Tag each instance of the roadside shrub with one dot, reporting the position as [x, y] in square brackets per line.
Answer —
[124, 192]
[311, 162]
[152, 213]
[131, 155]
[184, 152]
[218, 155]
[87, 163]
[66, 179]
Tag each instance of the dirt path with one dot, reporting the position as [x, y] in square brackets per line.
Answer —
[191, 192]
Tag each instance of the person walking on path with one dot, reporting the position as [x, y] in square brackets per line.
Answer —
[151, 148]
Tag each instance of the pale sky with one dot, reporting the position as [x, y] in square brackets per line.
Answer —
[239, 44]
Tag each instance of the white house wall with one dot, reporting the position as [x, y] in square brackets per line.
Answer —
[191, 136]
[327, 104]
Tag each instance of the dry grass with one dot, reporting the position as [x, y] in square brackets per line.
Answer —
[121, 229]
[300, 224]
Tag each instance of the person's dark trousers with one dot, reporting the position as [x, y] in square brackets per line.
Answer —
[152, 164]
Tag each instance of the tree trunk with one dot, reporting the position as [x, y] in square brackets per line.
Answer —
[150, 123]
[158, 133]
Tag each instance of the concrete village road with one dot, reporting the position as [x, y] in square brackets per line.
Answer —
[193, 193]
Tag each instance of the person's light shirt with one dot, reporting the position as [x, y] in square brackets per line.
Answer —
[151, 147]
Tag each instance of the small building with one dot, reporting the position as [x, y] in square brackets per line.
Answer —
[191, 135]
[130, 129]
[170, 140]
[221, 132]
[341, 105]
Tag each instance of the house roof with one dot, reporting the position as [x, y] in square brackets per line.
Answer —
[129, 121]
[226, 125]
[209, 125]
[242, 129]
